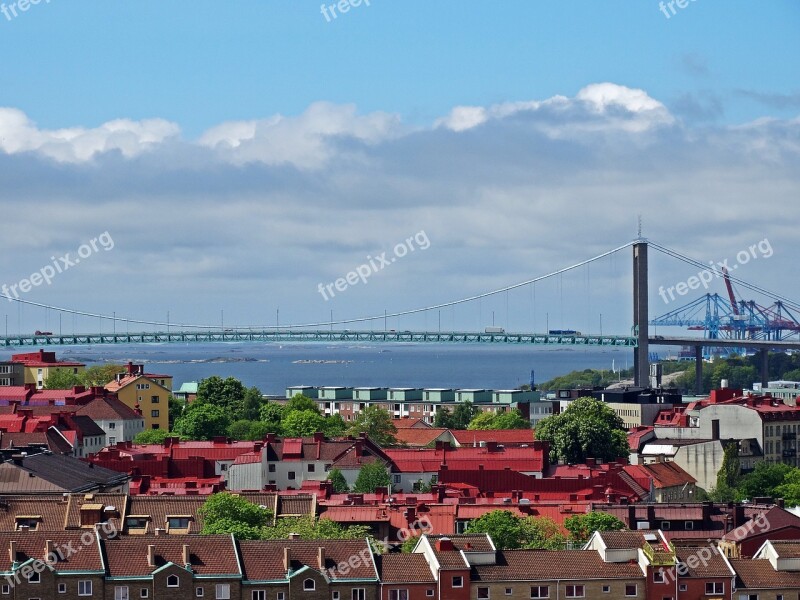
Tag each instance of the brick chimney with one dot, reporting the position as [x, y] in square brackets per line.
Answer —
[187, 560]
[49, 551]
[321, 558]
[286, 560]
[445, 544]
[151, 555]
[12, 551]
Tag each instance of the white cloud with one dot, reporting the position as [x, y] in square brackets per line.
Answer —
[78, 144]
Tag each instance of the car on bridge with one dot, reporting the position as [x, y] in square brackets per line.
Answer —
[37, 332]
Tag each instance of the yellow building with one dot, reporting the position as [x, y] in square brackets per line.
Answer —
[147, 392]
[38, 366]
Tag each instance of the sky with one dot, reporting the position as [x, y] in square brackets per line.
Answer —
[229, 164]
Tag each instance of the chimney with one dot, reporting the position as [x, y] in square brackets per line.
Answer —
[286, 561]
[321, 558]
[294, 536]
[12, 551]
[445, 544]
[49, 551]
[151, 555]
[319, 436]
[631, 517]
[491, 446]
[186, 557]
[779, 502]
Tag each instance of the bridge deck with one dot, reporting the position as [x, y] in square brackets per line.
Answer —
[316, 336]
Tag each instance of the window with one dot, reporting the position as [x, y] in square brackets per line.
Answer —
[334, 595]
[630, 589]
[540, 591]
[154, 399]
[483, 593]
[173, 581]
[198, 592]
[683, 587]
[292, 476]
[6, 590]
[280, 596]
[575, 591]
[112, 441]
[144, 593]
[403, 594]
[62, 589]
[309, 585]
[358, 594]
[271, 468]
[136, 522]
[85, 587]
[396, 478]
[258, 595]
[665, 525]
[34, 577]
[606, 589]
[658, 577]
[458, 581]
[178, 522]
[120, 591]
[311, 468]
[689, 525]
[509, 591]
[430, 592]
[753, 597]
[223, 591]
[715, 587]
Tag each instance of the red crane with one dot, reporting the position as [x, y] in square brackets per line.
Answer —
[730, 291]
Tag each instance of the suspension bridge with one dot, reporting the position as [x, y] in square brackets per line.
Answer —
[736, 324]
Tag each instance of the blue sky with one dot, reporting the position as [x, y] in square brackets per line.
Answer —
[240, 154]
[198, 63]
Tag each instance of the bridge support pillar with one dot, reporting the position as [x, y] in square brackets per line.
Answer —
[641, 357]
[698, 370]
[764, 367]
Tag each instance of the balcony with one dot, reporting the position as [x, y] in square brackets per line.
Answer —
[658, 556]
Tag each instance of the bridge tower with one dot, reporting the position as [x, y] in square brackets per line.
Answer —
[641, 357]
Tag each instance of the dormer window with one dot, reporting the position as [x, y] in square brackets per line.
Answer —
[28, 522]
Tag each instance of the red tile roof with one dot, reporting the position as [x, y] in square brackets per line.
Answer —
[209, 555]
[663, 475]
[263, 560]
[405, 568]
[546, 565]
[418, 437]
[501, 436]
[408, 423]
[31, 545]
[759, 575]
[430, 460]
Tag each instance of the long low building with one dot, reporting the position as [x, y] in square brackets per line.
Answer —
[620, 564]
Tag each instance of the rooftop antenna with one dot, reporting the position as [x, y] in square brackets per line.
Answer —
[639, 230]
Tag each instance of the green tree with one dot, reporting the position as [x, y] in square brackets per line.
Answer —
[252, 402]
[203, 421]
[100, 375]
[481, 421]
[339, 482]
[581, 527]
[334, 426]
[61, 379]
[176, 408]
[240, 430]
[272, 414]
[763, 480]
[463, 413]
[587, 428]
[372, 475]
[789, 490]
[443, 418]
[510, 531]
[300, 402]
[229, 513]
[302, 423]
[154, 436]
[230, 395]
[377, 423]
[511, 419]
[308, 528]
